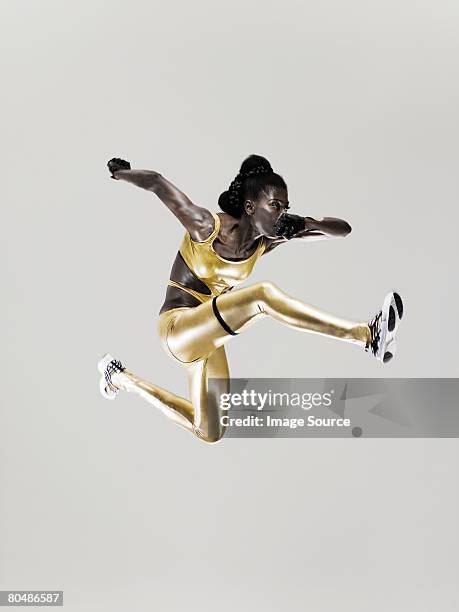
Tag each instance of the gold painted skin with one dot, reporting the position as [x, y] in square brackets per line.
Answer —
[193, 337]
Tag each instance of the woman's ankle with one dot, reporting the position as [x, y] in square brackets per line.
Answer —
[362, 334]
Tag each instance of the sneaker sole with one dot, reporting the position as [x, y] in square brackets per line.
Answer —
[392, 312]
[101, 366]
[399, 304]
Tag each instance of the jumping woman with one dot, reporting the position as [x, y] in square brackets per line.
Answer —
[201, 311]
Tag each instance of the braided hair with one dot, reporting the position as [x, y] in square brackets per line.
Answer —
[256, 175]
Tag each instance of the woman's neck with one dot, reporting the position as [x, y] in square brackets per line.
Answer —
[242, 234]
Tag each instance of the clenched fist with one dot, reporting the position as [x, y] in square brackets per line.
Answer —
[116, 163]
[289, 225]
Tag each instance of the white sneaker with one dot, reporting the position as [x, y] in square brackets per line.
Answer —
[108, 366]
[384, 327]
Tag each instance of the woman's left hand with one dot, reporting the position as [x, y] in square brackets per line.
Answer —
[288, 226]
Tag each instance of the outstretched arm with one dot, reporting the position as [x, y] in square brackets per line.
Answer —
[328, 227]
[197, 220]
[306, 228]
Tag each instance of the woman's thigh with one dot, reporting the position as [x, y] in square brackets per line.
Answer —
[195, 333]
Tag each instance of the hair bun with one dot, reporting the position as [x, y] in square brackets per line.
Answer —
[255, 175]
[255, 164]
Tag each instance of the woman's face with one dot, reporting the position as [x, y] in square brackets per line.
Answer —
[267, 208]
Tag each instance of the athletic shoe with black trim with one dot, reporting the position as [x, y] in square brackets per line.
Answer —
[383, 327]
[108, 366]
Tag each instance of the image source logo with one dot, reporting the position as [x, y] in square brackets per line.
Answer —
[339, 407]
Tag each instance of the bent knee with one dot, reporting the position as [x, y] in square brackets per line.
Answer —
[267, 290]
[209, 437]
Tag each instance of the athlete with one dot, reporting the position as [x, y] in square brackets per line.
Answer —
[201, 311]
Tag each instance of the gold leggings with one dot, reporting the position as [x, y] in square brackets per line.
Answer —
[194, 337]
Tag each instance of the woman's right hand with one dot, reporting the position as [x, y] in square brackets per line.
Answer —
[116, 163]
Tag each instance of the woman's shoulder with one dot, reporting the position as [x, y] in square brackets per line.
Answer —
[208, 228]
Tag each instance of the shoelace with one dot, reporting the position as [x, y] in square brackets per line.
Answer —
[113, 367]
[375, 328]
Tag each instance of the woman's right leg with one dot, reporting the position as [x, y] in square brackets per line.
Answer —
[197, 332]
[267, 299]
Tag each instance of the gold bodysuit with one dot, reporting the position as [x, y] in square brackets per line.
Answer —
[218, 274]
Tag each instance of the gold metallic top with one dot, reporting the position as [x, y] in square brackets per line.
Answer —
[217, 273]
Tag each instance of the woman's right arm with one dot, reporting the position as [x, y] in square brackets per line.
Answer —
[197, 220]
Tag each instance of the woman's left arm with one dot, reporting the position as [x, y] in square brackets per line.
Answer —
[307, 228]
[328, 227]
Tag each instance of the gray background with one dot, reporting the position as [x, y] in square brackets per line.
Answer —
[355, 104]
